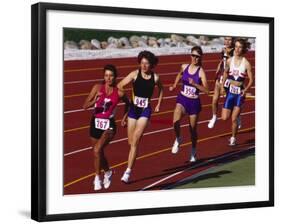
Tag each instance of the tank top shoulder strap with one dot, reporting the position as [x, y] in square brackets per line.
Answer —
[139, 74]
[232, 61]
[231, 52]
[243, 63]
[153, 76]
[186, 68]
[198, 70]
[115, 90]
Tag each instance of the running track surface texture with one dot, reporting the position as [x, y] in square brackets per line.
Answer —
[156, 168]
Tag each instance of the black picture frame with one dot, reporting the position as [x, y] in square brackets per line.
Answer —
[39, 114]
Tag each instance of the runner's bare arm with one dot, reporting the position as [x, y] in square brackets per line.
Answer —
[92, 97]
[225, 74]
[160, 93]
[171, 88]
[219, 68]
[204, 87]
[125, 99]
[250, 76]
[129, 78]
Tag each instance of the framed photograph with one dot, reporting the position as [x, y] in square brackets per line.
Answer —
[139, 111]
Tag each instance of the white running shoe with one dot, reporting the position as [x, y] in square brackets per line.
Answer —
[192, 158]
[176, 146]
[97, 184]
[239, 124]
[125, 177]
[107, 179]
[212, 122]
[232, 141]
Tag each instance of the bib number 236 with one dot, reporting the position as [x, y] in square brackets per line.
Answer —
[102, 124]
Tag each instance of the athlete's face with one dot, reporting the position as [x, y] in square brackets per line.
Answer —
[144, 65]
[238, 48]
[195, 57]
[109, 77]
[227, 42]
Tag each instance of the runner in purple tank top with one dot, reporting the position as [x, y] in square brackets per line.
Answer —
[188, 102]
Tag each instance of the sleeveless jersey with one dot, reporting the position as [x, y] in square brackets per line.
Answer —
[236, 73]
[143, 90]
[187, 89]
[106, 104]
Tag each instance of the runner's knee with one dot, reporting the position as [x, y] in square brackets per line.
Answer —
[224, 117]
[97, 150]
[136, 138]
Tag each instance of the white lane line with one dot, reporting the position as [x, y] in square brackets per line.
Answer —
[120, 104]
[192, 167]
[120, 77]
[147, 133]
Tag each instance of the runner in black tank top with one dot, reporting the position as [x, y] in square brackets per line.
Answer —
[144, 87]
[144, 81]
[141, 94]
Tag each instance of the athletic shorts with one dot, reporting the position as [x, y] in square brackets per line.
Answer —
[233, 100]
[137, 112]
[191, 106]
[96, 132]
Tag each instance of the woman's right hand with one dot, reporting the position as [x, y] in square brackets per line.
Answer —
[124, 121]
[222, 90]
[171, 88]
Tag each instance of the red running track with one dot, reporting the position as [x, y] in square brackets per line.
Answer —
[156, 168]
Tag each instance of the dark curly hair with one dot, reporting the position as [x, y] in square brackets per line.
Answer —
[113, 69]
[199, 50]
[153, 60]
[244, 43]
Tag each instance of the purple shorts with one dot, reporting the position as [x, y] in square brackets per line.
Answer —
[137, 112]
[191, 106]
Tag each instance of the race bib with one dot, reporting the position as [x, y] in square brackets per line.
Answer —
[141, 102]
[101, 123]
[235, 89]
[226, 83]
[189, 91]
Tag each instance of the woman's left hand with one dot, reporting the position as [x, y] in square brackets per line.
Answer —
[157, 108]
[124, 121]
[243, 93]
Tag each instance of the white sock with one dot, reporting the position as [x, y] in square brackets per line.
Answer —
[97, 177]
[214, 117]
[107, 173]
[128, 170]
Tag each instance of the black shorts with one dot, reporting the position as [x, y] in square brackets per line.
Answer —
[97, 133]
